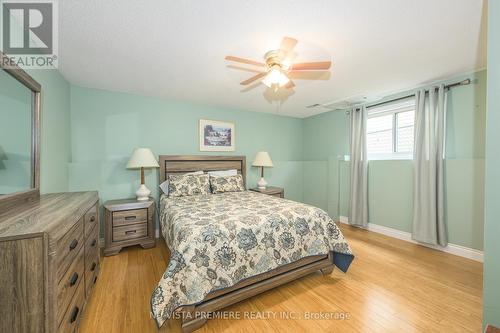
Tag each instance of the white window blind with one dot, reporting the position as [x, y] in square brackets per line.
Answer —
[389, 132]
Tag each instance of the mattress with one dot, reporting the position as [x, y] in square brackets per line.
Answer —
[219, 240]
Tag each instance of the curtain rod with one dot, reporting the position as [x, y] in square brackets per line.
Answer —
[449, 86]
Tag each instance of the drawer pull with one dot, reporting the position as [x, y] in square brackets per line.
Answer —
[94, 242]
[92, 219]
[73, 279]
[73, 244]
[129, 232]
[132, 217]
[74, 314]
[93, 266]
[95, 279]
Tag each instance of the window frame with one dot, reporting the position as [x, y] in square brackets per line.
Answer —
[391, 108]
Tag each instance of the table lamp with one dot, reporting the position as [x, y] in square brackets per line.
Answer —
[142, 158]
[262, 159]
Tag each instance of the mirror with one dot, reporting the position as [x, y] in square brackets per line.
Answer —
[15, 136]
[19, 135]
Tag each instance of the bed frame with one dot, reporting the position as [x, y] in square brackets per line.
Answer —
[195, 316]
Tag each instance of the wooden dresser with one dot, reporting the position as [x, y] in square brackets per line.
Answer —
[49, 262]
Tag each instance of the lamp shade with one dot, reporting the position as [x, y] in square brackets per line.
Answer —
[262, 159]
[142, 158]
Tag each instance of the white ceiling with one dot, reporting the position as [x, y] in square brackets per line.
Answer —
[175, 49]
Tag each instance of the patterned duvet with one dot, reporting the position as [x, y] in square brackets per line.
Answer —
[218, 240]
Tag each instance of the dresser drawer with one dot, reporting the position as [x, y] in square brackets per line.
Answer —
[91, 260]
[130, 232]
[72, 316]
[91, 273]
[90, 220]
[68, 247]
[92, 241]
[68, 285]
[127, 217]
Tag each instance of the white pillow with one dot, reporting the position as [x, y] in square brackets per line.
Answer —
[164, 185]
[223, 173]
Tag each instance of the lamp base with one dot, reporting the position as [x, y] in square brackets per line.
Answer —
[261, 184]
[143, 193]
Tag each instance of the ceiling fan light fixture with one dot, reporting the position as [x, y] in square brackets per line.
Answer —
[278, 64]
[276, 77]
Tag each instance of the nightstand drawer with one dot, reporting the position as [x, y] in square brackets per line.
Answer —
[130, 232]
[127, 217]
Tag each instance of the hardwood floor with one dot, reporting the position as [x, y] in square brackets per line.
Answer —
[392, 286]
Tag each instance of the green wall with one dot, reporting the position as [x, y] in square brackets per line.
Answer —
[15, 135]
[491, 312]
[390, 187]
[55, 131]
[107, 126]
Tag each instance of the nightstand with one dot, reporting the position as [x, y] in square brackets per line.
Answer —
[271, 190]
[128, 222]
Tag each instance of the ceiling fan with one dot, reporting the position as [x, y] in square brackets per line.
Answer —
[278, 71]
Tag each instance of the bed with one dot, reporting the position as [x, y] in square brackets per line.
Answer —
[227, 247]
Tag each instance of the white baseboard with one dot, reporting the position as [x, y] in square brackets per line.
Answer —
[344, 219]
[455, 249]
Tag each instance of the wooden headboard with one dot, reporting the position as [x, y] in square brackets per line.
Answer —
[179, 164]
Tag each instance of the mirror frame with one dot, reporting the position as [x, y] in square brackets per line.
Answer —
[9, 200]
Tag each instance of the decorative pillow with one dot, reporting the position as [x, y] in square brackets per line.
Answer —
[186, 185]
[164, 185]
[227, 184]
[231, 172]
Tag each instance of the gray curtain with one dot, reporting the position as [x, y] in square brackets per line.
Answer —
[428, 190]
[358, 201]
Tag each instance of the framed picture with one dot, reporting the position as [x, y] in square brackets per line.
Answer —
[216, 135]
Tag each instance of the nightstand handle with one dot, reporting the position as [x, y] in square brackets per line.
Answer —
[130, 232]
[92, 219]
[93, 267]
[132, 217]
[94, 242]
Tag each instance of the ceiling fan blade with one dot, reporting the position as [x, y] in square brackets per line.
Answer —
[250, 87]
[311, 66]
[253, 78]
[244, 61]
[287, 44]
[310, 75]
[290, 85]
[244, 69]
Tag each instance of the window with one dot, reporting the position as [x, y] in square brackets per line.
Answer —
[389, 132]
